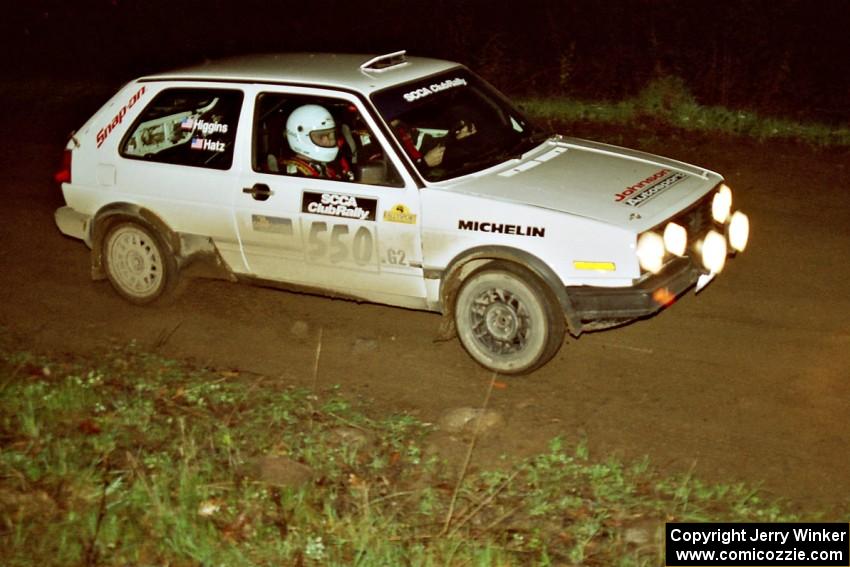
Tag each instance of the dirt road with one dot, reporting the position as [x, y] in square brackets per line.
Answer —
[749, 380]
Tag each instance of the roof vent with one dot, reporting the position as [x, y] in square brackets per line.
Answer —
[383, 63]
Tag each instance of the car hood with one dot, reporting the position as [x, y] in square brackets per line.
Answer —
[627, 188]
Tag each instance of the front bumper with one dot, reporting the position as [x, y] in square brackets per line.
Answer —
[621, 304]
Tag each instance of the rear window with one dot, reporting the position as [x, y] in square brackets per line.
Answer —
[182, 126]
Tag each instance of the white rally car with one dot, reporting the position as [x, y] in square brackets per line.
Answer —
[393, 179]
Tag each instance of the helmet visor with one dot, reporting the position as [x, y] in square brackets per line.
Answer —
[324, 138]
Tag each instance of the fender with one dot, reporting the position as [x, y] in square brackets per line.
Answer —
[184, 247]
[459, 267]
[112, 212]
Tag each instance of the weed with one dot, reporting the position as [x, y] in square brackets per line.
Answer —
[136, 459]
[666, 100]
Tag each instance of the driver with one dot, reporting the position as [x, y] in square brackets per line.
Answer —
[434, 156]
[311, 134]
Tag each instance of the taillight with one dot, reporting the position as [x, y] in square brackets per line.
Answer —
[64, 173]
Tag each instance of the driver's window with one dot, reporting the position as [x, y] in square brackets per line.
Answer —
[320, 137]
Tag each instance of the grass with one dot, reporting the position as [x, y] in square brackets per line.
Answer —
[133, 459]
[666, 100]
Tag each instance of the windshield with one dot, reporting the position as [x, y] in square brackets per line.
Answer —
[455, 123]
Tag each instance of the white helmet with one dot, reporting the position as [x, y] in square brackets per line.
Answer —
[311, 131]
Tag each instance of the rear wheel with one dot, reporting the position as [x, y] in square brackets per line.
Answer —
[138, 264]
[507, 319]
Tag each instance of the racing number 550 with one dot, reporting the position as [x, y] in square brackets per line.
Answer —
[339, 247]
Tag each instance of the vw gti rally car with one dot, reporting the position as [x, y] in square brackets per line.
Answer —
[392, 179]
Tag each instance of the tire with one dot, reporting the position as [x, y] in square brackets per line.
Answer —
[507, 319]
[138, 264]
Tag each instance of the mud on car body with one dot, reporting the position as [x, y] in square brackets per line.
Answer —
[441, 196]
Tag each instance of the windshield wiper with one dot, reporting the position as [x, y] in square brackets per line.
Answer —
[526, 143]
[482, 161]
[499, 155]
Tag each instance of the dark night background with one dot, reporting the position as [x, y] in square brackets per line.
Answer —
[746, 382]
[781, 57]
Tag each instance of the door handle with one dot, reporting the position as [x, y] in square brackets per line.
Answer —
[260, 191]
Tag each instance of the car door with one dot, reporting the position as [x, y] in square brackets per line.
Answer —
[358, 235]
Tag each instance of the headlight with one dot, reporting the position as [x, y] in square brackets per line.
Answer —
[721, 205]
[714, 252]
[739, 231]
[650, 252]
[675, 238]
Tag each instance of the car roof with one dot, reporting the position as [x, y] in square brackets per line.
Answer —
[321, 69]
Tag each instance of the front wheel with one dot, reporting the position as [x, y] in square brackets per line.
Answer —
[507, 319]
[138, 264]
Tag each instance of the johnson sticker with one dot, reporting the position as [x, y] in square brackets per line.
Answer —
[643, 191]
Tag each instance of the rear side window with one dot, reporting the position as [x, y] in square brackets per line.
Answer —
[195, 127]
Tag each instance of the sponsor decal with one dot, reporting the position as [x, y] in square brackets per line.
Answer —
[500, 228]
[435, 88]
[594, 266]
[645, 190]
[654, 190]
[339, 205]
[638, 186]
[208, 145]
[400, 213]
[276, 225]
[104, 132]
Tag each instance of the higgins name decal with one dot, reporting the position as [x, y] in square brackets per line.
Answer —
[205, 127]
[104, 132]
[500, 228]
[645, 190]
[339, 205]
